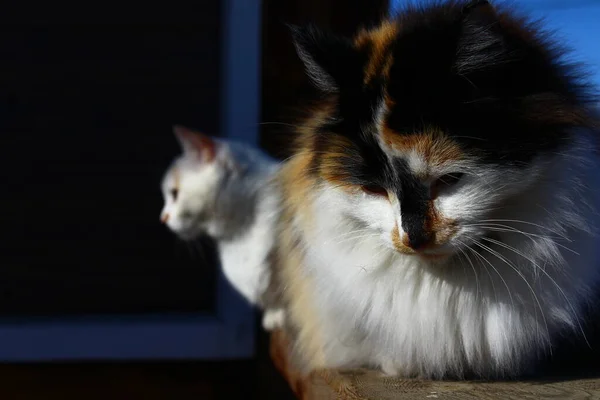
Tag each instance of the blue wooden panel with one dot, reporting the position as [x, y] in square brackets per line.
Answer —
[122, 338]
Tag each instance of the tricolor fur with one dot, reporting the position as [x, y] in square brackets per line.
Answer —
[439, 213]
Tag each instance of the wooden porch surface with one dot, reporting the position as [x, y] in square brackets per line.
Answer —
[372, 385]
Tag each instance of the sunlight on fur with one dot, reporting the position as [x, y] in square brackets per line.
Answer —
[438, 217]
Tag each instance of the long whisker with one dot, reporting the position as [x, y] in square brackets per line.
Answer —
[507, 228]
[513, 229]
[475, 272]
[516, 251]
[529, 223]
[355, 238]
[480, 256]
[362, 230]
[499, 256]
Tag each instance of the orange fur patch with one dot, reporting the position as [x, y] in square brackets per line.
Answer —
[328, 165]
[400, 244]
[434, 147]
[441, 228]
[389, 102]
[331, 163]
[297, 185]
[379, 40]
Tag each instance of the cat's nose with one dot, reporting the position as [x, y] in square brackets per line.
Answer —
[164, 218]
[416, 240]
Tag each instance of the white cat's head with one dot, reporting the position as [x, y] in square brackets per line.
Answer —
[191, 185]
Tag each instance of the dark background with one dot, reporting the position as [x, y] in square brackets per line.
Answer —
[85, 115]
[86, 111]
[86, 119]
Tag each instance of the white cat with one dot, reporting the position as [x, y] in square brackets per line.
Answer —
[222, 189]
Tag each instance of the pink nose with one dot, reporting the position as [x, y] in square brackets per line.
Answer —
[164, 218]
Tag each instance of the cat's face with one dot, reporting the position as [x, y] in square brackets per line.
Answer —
[435, 122]
[191, 184]
[420, 193]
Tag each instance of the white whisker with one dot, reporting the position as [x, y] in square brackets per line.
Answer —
[575, 315]
[480, 256]
[528, 223]
[535, 297]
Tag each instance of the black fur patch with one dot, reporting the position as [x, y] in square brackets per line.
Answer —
[491, 81]
[482, 77]
[329, 58]
[494, 82]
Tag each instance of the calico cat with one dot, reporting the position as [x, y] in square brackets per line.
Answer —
[223, 189]
[439, 213]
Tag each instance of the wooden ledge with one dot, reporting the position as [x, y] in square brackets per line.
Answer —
[372, 385]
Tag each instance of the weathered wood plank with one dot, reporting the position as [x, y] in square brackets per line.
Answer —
[372, 385]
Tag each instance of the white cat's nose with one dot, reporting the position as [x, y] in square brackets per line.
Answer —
[164, 218]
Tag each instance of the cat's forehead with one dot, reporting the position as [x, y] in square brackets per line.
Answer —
[424, 152]
[172, 177]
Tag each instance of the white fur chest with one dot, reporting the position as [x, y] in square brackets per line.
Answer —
[406, 316]
[393, 312]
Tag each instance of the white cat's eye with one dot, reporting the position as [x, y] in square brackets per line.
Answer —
[374, 190]
[174, 193]
[445, 182]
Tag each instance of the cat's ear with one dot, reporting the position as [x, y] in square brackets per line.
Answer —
[480, 12]
[332, 62]
[482, 44]
[195, 143]
[477, 5]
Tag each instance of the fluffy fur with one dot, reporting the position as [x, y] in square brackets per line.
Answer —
[439, 213]
[223, 189]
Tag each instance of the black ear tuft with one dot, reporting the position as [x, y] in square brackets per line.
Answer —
[481, 44]
[331, 61]
[475, 4]
[480, 11]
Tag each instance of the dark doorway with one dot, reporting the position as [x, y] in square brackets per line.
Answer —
[85, 117]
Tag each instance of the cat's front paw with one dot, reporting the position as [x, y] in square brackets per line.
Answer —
[273, 319]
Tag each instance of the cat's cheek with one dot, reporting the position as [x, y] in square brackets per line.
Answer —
[387, 240]
[376, 213]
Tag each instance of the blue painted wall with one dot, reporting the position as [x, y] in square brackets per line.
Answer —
[576, 21]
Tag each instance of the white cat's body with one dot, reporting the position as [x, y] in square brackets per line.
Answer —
[224, 189]
[245, 256]
[417, 318]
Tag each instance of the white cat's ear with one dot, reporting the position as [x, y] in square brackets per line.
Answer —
[195, 143]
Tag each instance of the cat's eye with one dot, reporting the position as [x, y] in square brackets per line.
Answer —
[445, 182]
[374, 190]
[174, 193]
